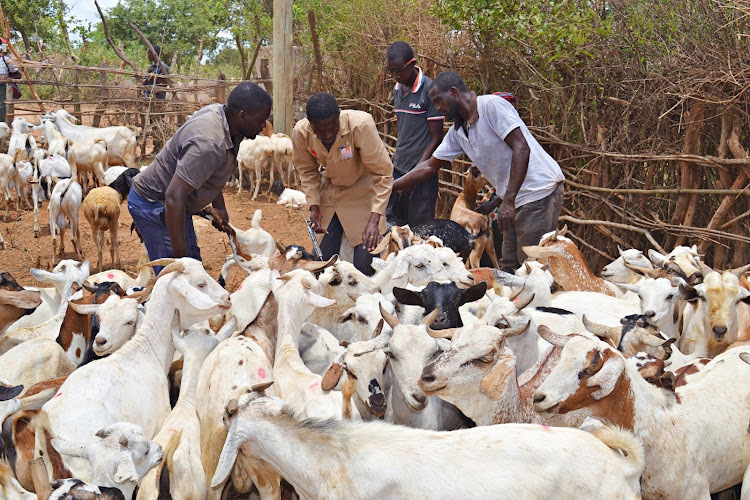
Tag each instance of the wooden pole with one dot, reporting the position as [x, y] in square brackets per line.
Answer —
[283, 121]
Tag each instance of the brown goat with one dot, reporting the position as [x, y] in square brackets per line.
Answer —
[478, 225]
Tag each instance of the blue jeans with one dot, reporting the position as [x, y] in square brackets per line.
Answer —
[533, 220]
[148, 217]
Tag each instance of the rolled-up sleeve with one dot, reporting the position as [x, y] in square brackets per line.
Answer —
[375, 159]
[306, 165]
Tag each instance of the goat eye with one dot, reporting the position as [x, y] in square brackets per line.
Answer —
[129, 323]
[202, 285]
[146, 452]
[445, 264]
[352, 282]
[419, 266]
[391, 355]
[487, 358]
[670, 271]
[588, 371]
[670, 296]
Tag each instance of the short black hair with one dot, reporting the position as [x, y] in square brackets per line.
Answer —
[447, 79]
[157, 50]
[248, 97]
[399, 51]
[321, 106]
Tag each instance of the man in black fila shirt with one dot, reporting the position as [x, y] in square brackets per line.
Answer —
[420, 130]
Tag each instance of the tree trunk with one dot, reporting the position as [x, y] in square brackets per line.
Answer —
[241, 50]
[26, 43]
[687, 203]
[265, 75]
[200, 56]
[251, 63]
[316, 51]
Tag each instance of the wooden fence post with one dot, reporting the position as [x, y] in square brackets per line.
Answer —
[283, 121]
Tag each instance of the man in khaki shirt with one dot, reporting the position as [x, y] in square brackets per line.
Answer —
[346, 175]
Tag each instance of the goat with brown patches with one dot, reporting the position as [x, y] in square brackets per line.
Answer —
[101, 207]
[478, 225]
[679, 463]
[567, 265]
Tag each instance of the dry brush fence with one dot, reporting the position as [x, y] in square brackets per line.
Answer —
[109, 96]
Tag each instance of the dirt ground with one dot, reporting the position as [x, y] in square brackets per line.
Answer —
[24, 251]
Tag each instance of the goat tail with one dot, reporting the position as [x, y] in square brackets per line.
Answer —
[102, 141]
[626, 443]
[16, 155]
[255, 223]
[166, 468]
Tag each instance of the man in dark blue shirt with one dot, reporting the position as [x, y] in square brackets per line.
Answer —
[420, 130]
[158, 67]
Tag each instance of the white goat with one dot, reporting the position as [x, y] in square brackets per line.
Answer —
[119, 459]
[119, 320]
[283, 159]
[255, 155]
[134, 379]
[298, 293]
[121, 141]
[64, 204]
[21, 140]
[401, 463]
[57, 144]
[186, 476]
[88, 156]
[619, 273]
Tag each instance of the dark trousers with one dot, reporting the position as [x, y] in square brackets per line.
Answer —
[331, 244]
[149, 218]
[533, 221]
[417, 206]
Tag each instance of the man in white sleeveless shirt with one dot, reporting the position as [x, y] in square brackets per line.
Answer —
[488, 129]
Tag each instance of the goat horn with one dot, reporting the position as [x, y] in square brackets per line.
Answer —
[280, 246]
[427, 320]
[521, 305]
[160, 262]
[515, 295]
[378, 330]
[284, 277]
[739, 271]
[90, 288]
[527, 266]
[651, 273]
[174, 267]
[650, 339]
[552, 337]
[745, 356]
[388, 317]
[606, 332]
[442, 334]
[261, 387]
[316, 266]
[512, 332]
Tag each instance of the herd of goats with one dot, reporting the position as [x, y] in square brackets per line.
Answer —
[434, 378]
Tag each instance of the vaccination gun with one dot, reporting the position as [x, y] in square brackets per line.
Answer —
[316, 248]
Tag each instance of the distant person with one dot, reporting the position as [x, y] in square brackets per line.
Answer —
[191, 171]
[346, 175]
[419, 132]
[488, 129]
[153, 80]
[7, 70]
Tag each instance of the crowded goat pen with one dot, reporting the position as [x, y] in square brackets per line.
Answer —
[274, 366]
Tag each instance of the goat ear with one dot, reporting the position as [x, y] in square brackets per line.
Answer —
[473, 293]
[331, 376]
[84, 308]
[125, 469]
[688, 293]
[493, 384]
[197, 299]
[382, 245]
[68, 448]
[320, 301]
[402, 267]
[228, 456]
[407, 297]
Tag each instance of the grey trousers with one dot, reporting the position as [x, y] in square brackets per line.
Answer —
[533, 220]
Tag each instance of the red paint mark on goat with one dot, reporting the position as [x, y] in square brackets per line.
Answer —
[261, 373]
[546, 428]
[314, 386]
[110, 275]
[58, 394]
[239, 288]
